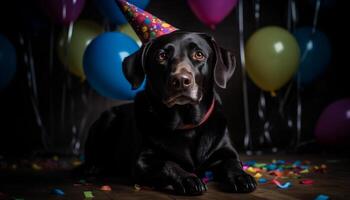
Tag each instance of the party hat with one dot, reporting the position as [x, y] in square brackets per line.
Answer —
[146, 26]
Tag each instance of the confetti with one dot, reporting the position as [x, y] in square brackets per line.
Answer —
[57, 191]
[137, 187]
[209, 175]
[88, 194]
[262, 180]
[307, 182]
[106, 188]
[322, 197]
[305, 171]
[282, 186]
[36, 167]
[257, 175]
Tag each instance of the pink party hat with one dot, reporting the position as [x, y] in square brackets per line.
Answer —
[146, 26]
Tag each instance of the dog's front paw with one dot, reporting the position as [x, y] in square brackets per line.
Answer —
[240, 182]
[189, 185]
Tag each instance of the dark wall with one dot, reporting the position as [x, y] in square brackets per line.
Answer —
[68, 106]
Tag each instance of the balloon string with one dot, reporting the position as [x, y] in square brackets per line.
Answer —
[247, 137]
[291, 24]
[299, 113]
[28, 60]
[51, 85]
[317, 9]
[70, 32]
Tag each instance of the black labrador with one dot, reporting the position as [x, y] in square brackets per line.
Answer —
[175, 129]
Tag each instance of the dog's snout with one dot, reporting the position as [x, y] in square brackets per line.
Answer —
[181, 81]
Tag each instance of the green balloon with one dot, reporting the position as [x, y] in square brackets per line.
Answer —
[71, 52]
[272, 57]
[128, 30]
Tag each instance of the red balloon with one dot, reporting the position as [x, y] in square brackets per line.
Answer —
[333, 126]
[212, 12]
[63, 11]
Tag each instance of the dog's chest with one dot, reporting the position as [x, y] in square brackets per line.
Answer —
[189, 152]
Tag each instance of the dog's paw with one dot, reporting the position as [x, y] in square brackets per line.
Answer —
[240, 183]
[189, 185]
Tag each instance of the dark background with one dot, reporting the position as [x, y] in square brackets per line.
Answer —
[66, 119]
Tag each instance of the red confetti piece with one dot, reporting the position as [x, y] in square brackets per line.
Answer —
[307, 182]
[106, 188]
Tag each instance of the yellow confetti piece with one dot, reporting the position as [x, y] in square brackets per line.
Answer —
[36, 167]
[76, 162]
[251, 169]
[305, 171]
[137, 187]
[258, 175]
[55, 158]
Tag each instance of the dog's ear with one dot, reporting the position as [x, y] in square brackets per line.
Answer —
[225, 62]
[133, 67]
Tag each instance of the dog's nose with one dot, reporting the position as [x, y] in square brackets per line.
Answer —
[181, 81]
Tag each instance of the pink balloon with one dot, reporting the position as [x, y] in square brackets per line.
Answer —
[63, 11]
[333, 126]
[211, 12]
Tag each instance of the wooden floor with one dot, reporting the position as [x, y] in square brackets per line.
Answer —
[36, 185]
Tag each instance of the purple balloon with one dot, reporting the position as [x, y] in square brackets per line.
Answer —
[211, 12]
[333, 126]
[63, 11]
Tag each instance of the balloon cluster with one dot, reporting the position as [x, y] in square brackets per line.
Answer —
[101, 65]
[274, 56]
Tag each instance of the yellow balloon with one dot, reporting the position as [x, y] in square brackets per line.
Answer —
[272, 57]
[71, 52]
[128, 30]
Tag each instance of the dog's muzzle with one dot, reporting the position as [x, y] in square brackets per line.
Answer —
[182, 87]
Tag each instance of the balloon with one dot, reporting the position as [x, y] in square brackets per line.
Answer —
[7, 62]
[333, 126]
[315, 54]
[103, 65]
[63, 11]
[110, 10]
[272, 57]
[71, 52]
[129, 31]
[211, 12]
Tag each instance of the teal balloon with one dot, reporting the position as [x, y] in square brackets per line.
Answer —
[103, 65]
[315, 54]
[111, 11]
[7, 62]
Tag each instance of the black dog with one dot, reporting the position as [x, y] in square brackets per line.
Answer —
[175, 129]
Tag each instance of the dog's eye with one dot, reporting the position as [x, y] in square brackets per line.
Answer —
[162, 56]
[198, 55]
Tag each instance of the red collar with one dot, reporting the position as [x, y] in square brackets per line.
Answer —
[204, 119]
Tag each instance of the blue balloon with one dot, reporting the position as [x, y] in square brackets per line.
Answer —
[315, 54]
[7, 62]
[110, 10]
[103, 65]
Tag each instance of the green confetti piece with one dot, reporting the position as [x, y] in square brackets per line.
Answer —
[259, 165]
[88, 194]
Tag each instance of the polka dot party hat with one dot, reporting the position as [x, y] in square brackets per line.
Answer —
[146, 26]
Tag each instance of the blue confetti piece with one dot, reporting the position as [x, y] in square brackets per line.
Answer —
[280, 162]
[262, 180]
[57, 192]
[297, 163]
[209, 175]
[271, 167]
[322, 197]
[250, 162]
